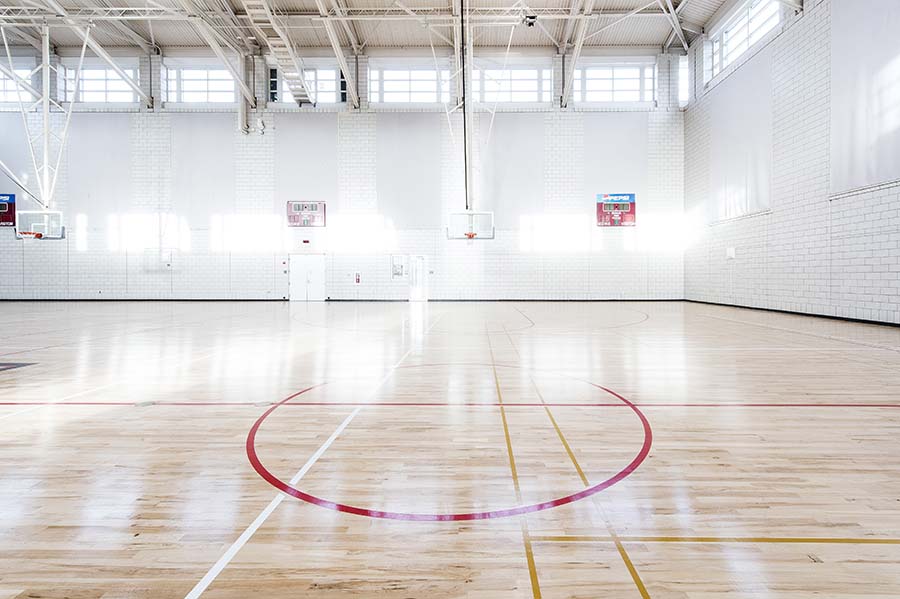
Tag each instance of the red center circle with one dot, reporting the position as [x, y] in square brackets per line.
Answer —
[484, 515]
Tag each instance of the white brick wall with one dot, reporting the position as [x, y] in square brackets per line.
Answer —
[808, 254]
[609, 269]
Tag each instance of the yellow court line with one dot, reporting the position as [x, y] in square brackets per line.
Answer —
[713, 540]
[526, 537]
[632, 570]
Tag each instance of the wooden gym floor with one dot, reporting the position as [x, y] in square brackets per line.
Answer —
[477, 450]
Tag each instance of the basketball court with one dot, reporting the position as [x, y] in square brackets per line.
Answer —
[570, 299]
[448, 449]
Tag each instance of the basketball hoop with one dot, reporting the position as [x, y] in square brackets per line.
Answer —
[29, 235]
[471, 235]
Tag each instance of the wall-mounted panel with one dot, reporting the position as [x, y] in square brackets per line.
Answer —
[306, 158]
[740, 171]
[408, 171]
[203, 166]
[615, 156]
[99, 161]
[865, 93]
[510, 174]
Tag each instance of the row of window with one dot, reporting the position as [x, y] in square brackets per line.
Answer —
[608, 83]
[751, 23]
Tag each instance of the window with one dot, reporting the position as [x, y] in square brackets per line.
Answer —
[512, 85]
[684, 81]
[409, 85]
[746, 28]
[9, 88]
[197, 84]
[325, 84]
[615, 83]
[96, 84]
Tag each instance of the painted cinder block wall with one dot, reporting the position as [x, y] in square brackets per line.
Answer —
[134, 161]
[808, 253]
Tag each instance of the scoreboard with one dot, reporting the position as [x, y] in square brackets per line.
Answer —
[7, 210]
[306, 214]
[616, 209]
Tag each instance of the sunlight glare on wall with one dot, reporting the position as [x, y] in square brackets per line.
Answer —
[554, 233]
[247, 233]
[147, 231]
[360, 233]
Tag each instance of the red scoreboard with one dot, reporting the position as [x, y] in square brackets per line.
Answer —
[7, 210]
[616, 209]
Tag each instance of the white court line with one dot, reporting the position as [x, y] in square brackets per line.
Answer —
[232, 551]
[64, 399]
[264, 515]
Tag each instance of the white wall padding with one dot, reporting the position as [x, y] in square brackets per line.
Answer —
[615, 155]
[408, 168]
[203, 166]
[511, 169]
[740, 173]
[865, 93]
[14, 153]
[99, 161]
[306, 159]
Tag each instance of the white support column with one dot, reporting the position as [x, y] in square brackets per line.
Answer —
[44, 174]
[243, 123]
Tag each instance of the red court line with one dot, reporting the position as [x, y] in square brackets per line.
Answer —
[418, 517]
[447, 404]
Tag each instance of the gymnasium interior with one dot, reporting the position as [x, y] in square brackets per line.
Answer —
[450, 299]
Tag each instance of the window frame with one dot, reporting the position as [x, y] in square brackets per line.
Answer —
[179, 67]
[749, 25]
[279, 95]
[9, 87]
[541, 70]
[68, 67]
[647, 94]
[442, 84]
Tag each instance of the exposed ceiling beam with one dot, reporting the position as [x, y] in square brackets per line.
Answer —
[206, 33]
[671, 37]
[340, 9]
[97, 49]
[580, 30]
[196, 15]
[666, 6]
[618, 20]
[570, 26]
[424, 22]
[457, 50]
[28, 15]
[349, 78]
[26, 37]
[128, 31]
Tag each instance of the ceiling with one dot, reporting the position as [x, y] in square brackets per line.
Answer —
[369, 24]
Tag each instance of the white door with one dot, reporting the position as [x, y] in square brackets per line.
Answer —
[307, 282]
[418, 279]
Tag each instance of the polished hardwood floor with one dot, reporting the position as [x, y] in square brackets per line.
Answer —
[465, 450]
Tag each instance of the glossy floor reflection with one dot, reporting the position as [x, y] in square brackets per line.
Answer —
[125, 471]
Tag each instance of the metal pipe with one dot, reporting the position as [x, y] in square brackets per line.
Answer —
[45, 114]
